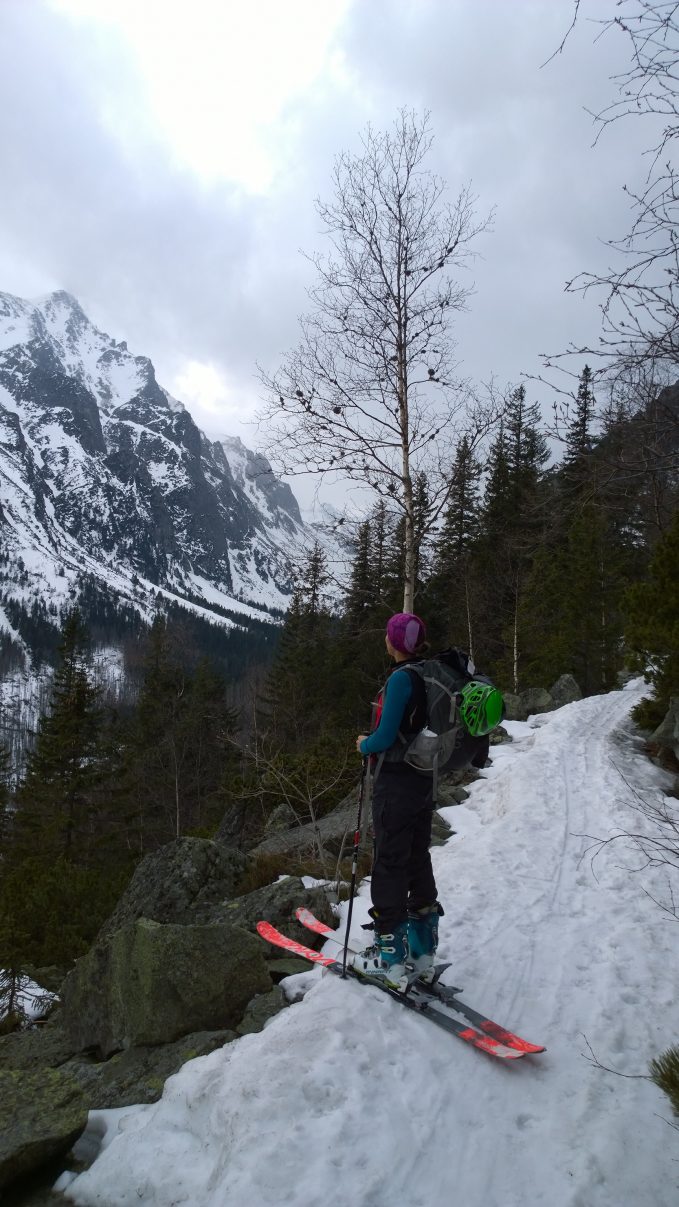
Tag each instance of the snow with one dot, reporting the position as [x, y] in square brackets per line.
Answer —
[18, 325]
[33, 1000]
[347, 1098]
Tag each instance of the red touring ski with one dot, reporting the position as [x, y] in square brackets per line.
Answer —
[426, 1004]
[438, 992]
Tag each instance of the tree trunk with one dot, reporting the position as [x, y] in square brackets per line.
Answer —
[516, 639]
[410, 557]
[469, 616]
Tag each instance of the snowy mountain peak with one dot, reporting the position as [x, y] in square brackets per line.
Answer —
[254, 473]
[105, 479]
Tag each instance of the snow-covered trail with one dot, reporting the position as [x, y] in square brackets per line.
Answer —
[347, 1098]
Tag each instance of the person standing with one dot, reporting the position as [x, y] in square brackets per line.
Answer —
[405, 909]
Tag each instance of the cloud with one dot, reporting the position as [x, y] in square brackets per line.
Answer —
[161, 162]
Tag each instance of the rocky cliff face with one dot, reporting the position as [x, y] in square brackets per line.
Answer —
[105, 479]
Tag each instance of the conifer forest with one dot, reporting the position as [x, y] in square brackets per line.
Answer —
[542, 537]
[537, 569]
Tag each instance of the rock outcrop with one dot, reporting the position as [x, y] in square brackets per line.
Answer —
[172, 884]
[665, 739]
[149, 983]
[41, 1116]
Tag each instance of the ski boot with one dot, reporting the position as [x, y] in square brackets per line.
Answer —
[423, 938]
[385, 959]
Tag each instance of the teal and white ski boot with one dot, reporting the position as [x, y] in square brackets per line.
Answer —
[423, 939]
[385, 959]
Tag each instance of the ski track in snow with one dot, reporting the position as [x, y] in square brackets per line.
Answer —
[346, 1098]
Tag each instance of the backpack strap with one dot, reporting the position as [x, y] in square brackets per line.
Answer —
[416, 713]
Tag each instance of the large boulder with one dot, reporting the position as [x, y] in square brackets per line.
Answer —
[135, 1075]
[666, 737]
[441, 830]
[499, 736]
[41, 1116]
[534, 700]
[565, 691]
[36, 1048]
[240, 826]
[275, 903]
[139, 1074]
[261, 1009]
[170, 884]
[514, 709]
[150, 984]
[333, 833]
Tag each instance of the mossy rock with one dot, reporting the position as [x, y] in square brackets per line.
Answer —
[151, 984]
[41, 1116]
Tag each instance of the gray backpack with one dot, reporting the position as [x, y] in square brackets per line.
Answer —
[434, 749]
[441, 740]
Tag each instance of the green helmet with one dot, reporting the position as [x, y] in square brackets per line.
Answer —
[481, 708]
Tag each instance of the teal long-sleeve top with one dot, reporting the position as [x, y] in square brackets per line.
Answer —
[397, 695]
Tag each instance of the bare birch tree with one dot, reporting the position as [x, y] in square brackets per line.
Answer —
[370, 392]
[640, 291]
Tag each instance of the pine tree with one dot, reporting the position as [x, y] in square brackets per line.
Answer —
[572, 616]
[498, 490]
[58, 881]
[360, 598]
[177, 747]
[579, 436]
[210, 727]
[315, 579]
[652, 630]
[511, 532]
[665, 1073]
[56, 800]
[449, 593]
[394, 566]
[5, 771]
[460, 526]
[297, 685]
[421, 518]
[379, 542]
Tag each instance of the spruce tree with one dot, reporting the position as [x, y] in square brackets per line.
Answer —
[297, 696]
[360, 598]
[56, 800]
[379, 545]
[665, 1073]
[5, 771]
[572, 615]
[579, 434]
[210, 727]
[652, 629]
[177, 746]
[527, 454]
[299, 753]
[450, 591]
[511, 532]
[461, 519]
[58, 884]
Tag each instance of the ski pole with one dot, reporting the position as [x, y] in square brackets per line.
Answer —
[354, 862]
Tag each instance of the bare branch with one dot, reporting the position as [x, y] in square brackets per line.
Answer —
[371, 392]
[640, 291]
[571, 27]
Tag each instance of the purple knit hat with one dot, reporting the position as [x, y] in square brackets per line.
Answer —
[406, 632]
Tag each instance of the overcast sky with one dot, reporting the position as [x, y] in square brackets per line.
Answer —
[160, 160]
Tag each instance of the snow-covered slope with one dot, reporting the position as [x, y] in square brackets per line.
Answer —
[105, 479]
[347, 1098]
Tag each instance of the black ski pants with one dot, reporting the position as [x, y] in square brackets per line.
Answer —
[402, 876]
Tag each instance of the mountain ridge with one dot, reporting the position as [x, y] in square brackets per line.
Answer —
[105, 477]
